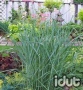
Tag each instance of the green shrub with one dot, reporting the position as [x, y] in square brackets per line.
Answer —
[78, 1]
[70, 27]
[16, 15]
[74, 29]
[51, 4]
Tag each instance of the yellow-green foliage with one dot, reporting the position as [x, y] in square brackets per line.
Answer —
[13, 28]
[80, 15]
[17, 77]
[51, 4]
[1, 82]
[12, 81]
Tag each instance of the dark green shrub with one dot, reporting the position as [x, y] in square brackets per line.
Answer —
[73, 27]
[4, 27]
[14, 15]
[78, 1]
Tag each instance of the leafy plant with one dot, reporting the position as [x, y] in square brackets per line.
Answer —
[13, 82]
[73, 28]
[51, 4]
[9, 61]
[15, 31]
[13, 28]
[80, 15]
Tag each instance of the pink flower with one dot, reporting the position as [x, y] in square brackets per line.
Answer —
[33, 15]
[43, 19]
[45, 15]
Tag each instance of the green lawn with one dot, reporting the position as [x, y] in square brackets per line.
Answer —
[2, 48]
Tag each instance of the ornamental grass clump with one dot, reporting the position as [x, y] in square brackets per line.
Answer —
[43, 55]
